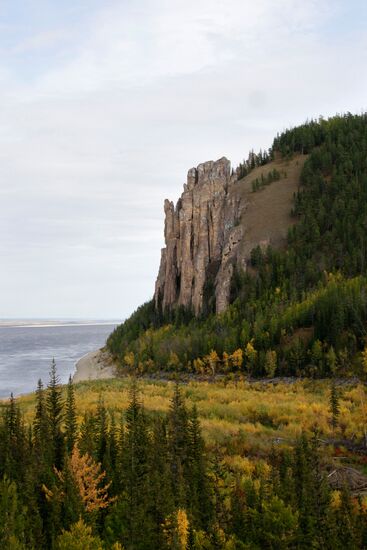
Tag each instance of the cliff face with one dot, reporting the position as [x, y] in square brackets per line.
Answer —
[214, 226]
[201, 236]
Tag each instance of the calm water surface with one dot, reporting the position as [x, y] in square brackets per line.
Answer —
[26, 353]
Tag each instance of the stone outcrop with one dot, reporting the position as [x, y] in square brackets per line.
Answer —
[202, 235]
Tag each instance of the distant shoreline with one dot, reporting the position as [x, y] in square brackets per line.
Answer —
[5, 324]
[95, 365]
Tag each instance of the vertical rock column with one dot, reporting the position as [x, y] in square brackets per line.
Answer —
[195, 235]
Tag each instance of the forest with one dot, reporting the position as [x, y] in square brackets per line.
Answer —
[297, 311]
[147, 479]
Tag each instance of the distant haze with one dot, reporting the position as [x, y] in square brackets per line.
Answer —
[106, 105]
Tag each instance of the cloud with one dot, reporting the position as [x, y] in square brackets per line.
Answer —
[104, 110]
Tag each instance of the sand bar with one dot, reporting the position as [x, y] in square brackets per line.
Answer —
[95, 365]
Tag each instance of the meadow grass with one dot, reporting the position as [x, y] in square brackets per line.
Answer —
[240, 418]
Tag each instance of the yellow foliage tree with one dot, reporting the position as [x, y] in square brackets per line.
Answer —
[173, 360]
[225, 361]
[176, 530]
[199, 365]
[251, 355]
[336, 500]
[270, 363]
[89, 478]
[80, 537]
[149, 365]
[212, 360]
[237, 358]
[129, 359]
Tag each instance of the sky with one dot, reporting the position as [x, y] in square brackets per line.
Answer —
[105, 105]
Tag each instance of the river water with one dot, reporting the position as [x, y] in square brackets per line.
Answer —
[26, 352]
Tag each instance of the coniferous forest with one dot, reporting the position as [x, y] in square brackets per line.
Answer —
[148, 481]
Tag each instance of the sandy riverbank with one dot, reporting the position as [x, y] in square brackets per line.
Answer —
[95, 365]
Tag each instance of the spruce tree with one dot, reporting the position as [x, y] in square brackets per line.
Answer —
[12, 517]
[161, 501]
[200, 498]
[14, 451]
[334, 406]
[55, 407]
[71, 426]
[130, 521]
[112, 452]
[40, 417]
[41, 430]
[102, 434]
[178, 448]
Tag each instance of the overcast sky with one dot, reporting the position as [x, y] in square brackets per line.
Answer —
[105, 105]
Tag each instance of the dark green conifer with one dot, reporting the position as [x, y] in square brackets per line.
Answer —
[41, 427]
[334, 406]
[71, 427]
[14, 450]
[130, 521]
[55, 409]
[178, 447]
[198, 483]
[12, 517]
[102, 434]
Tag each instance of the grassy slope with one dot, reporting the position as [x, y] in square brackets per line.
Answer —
[267, 216]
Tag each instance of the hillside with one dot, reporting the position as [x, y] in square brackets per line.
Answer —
[297, 300]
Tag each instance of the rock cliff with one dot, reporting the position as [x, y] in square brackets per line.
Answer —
[214, 226]
[201, 236]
